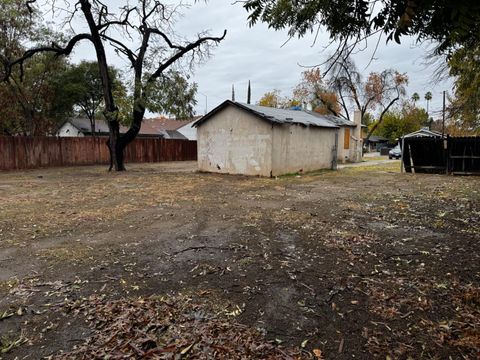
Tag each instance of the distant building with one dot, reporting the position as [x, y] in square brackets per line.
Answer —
[375, 143]
[188, 130]
[79, 127]
[424, 132]
[160, 127]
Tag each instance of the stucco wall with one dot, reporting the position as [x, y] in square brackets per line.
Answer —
[343, 154]
[350, 154]
[235, 142]
[299, 148]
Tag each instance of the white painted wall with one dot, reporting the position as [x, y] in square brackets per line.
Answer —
[68, 130]
[298, 148]
[188, 131]
[235, 142]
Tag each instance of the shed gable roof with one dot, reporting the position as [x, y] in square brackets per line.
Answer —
[424, 132]
[274, 115]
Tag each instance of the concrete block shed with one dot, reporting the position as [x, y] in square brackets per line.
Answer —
[237, 138]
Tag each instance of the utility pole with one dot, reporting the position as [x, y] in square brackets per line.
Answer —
[249, 93]
[206, 102]
[443, 115]
[233, 92]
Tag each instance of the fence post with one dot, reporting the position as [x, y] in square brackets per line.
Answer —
[447, 154]
[401, 157]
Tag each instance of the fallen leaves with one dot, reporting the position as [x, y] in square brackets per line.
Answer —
[160, 328]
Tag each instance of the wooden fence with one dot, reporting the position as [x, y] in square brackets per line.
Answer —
[18, 152]
[452, 155]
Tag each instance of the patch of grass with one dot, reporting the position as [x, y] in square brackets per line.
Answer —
[375, 158]
[7, 344]
[393, 166]
[308, 173]
[8, 284]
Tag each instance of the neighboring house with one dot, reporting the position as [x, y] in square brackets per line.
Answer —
[172, 134]
[239, 138]
[188, 130]
[423, 132]
[375, 143]
[81, 127]
[165, 127]
[160, 127]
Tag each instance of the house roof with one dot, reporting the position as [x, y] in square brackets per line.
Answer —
[375, 138]
[156, 125]
[424, 132]
[274, 115]
[153, 126]
[337, 120]
[173, 134]
[83, 125]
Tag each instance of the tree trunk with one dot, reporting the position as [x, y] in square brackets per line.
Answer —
[116, 147]
[380, 119]
[111, 110]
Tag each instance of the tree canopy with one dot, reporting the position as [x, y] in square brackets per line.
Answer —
[401, 121]
[30, 103]
[449, 23]
[142, 32]
[80, 86]
[464, 109]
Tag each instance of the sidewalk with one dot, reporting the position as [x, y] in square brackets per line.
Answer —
[366, 163]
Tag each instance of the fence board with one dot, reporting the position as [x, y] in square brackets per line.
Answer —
[19, 152]
[457, 155]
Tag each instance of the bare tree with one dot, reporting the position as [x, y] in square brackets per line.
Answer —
[143, 34]
[380, 90]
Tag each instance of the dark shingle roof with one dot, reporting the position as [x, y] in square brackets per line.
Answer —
[83, 125]
[156, 125]
[150, 127]
[375, 138]
[172, 134]
[274, 115]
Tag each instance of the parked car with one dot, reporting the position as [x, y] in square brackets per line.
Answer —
[395, 153]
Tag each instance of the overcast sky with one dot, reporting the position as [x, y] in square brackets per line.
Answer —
[257, 54]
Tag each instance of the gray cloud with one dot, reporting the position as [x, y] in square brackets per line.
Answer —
[257, 54]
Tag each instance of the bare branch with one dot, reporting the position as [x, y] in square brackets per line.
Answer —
[122, 48]
[166, 39]
[122, 22]
[54, 48]
[186, 49]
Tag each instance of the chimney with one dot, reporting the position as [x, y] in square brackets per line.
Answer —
[357, 134]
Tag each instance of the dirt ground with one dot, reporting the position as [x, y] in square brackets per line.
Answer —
[360, 263]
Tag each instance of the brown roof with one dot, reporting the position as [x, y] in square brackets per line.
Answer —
[156, 125]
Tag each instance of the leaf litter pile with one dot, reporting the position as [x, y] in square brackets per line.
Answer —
[156, 328]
